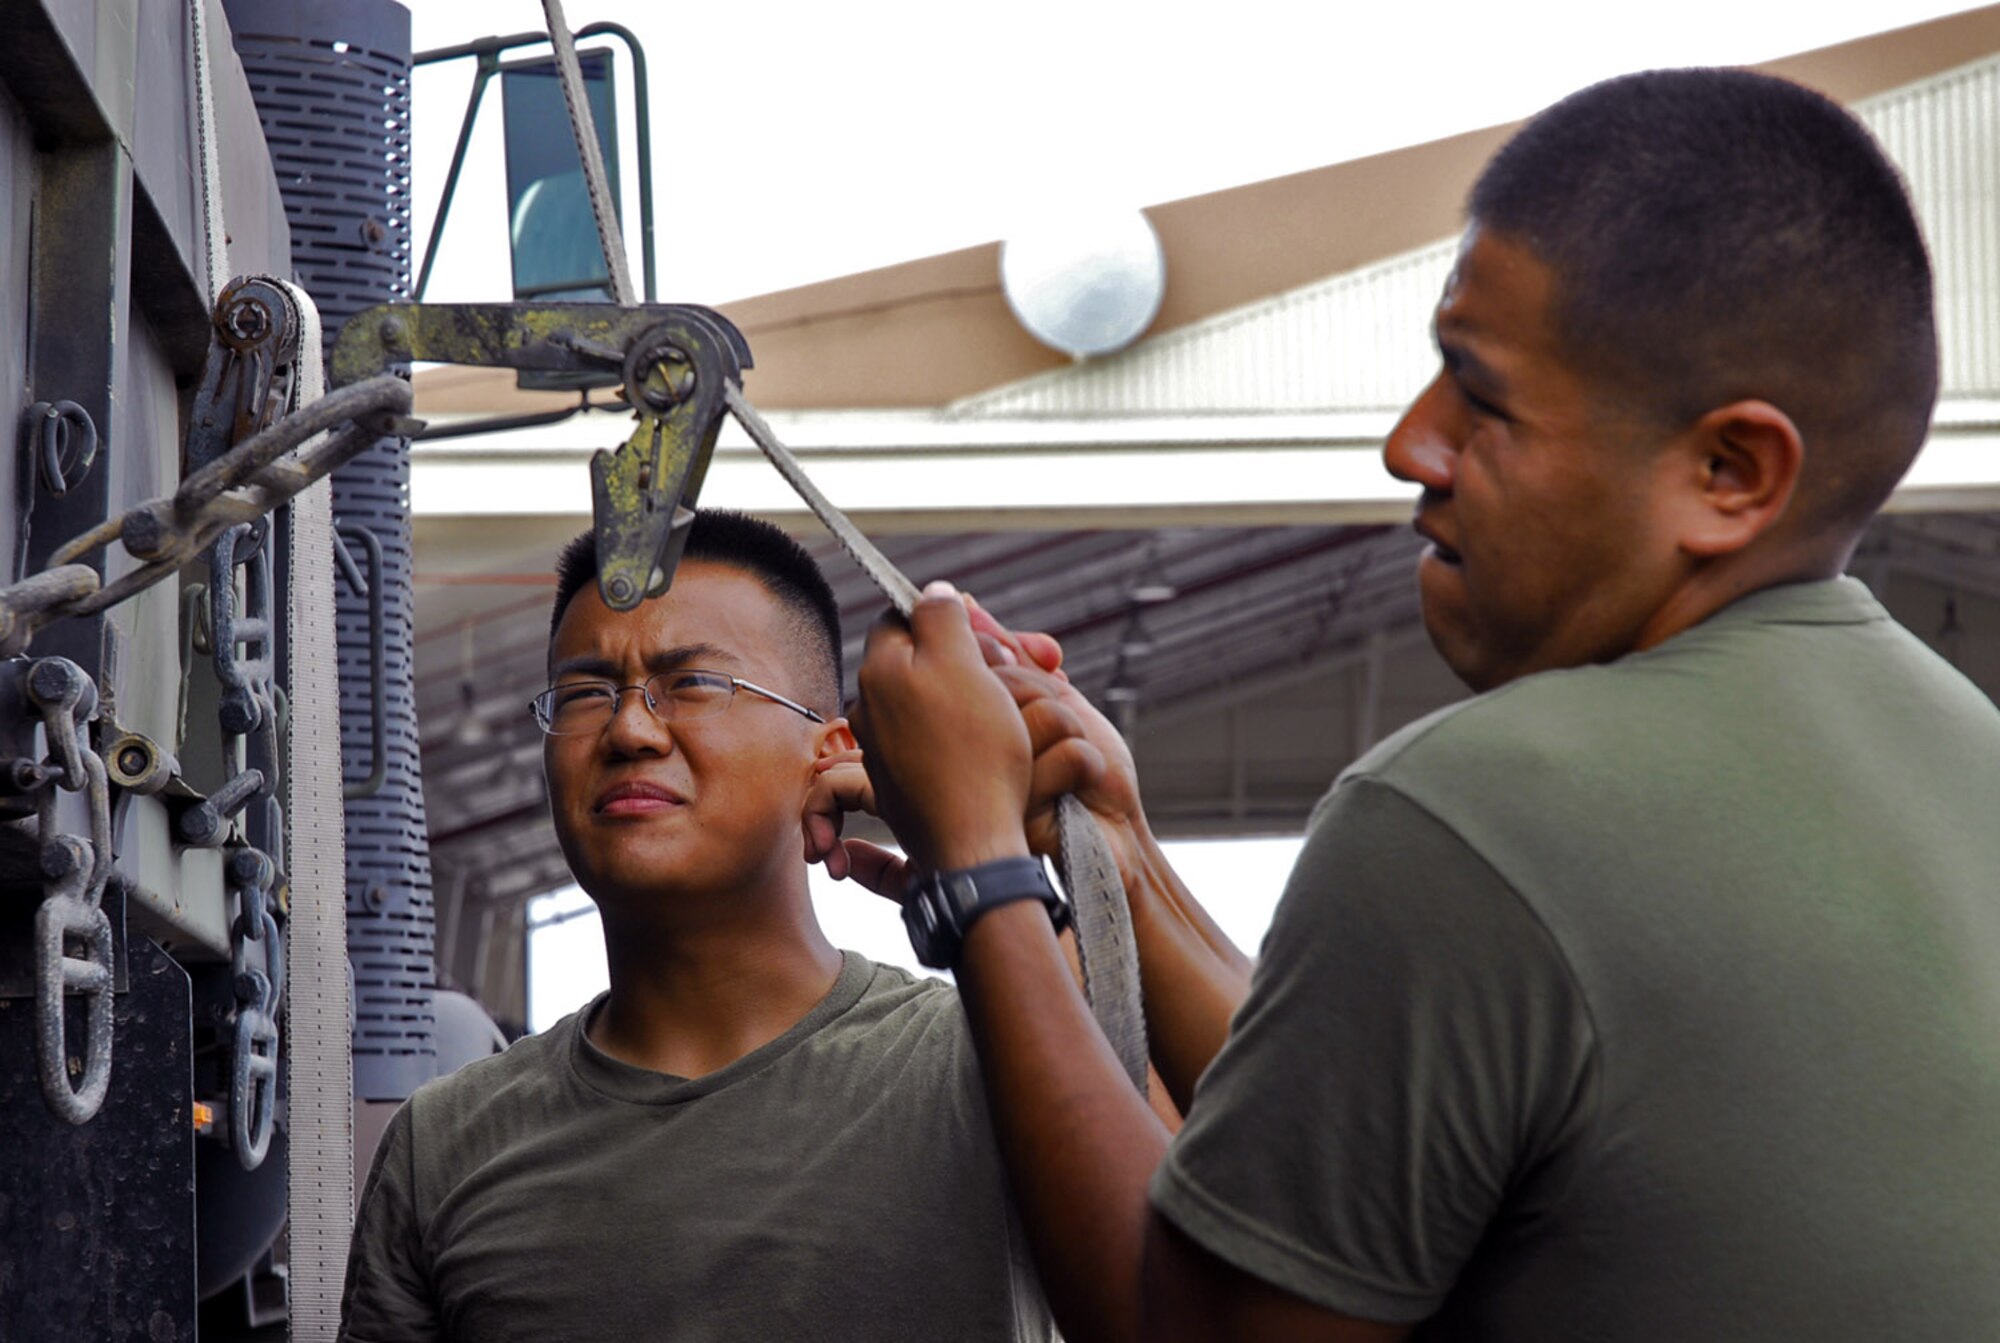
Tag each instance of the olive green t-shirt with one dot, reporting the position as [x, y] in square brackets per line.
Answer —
[841, 1182]
[1651, 1001]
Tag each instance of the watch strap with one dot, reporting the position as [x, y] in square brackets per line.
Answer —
[940, 908]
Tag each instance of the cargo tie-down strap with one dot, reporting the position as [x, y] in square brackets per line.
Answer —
[320, 1168]
[1090, 877]
[1083, 861]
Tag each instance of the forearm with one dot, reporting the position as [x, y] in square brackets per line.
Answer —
[1080, 1143]
[1194, 977]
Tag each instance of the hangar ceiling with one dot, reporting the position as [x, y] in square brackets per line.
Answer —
[1230, 464]
[1282, 653]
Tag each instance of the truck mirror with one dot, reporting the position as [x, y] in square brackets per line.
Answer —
[550, 230]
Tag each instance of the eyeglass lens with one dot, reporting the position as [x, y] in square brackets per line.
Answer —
[586, 706]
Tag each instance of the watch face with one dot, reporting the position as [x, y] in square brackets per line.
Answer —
[920, 917]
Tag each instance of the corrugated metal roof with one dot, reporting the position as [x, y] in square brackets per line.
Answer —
[1944, 133]
[1356, 341]
[1361, 340]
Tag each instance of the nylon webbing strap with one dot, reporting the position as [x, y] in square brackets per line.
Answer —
[1104, 941]
[318, 1059]
[900, 591]
[1089, 875]
[591, 154]
[215, 238]
[318, 1020]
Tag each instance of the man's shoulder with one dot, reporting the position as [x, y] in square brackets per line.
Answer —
[894, 998]
[1556, 765]
[529, 1067]
[1754, 672]
[1627, 710]
[895, 983]
[905, 1032]
[1550, 712]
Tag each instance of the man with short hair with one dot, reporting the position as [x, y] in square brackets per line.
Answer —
[1653, 993]
[752, 1135]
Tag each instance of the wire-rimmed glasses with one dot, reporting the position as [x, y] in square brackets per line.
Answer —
[577, 707]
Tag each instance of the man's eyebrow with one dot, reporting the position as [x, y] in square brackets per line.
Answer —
[685, 655]
[665, 659]
[586, 665]
[1464, 365]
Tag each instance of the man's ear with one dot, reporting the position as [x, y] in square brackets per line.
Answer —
[836, 737]
[1742, 462]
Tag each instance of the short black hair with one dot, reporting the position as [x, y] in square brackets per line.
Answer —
[1718, 235]
[781, 564]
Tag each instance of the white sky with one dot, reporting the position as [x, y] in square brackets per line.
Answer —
[800, 141]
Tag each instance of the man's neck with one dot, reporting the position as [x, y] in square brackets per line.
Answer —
[691, 1000]
[1724, 583]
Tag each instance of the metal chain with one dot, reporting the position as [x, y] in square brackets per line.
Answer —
[241, 486]
[168, 533]
[243, 647]
[243, 644]
[218, 509]
[76, 871]
[257, 962]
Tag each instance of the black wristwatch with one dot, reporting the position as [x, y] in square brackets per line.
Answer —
[940, 908]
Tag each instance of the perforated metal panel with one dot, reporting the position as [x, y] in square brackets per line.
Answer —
[331, 78]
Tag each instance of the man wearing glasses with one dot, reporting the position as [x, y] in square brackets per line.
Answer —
[752, 1135]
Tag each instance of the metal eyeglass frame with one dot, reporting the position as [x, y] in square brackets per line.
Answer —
[541, 707]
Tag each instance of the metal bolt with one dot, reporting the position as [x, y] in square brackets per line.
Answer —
[135, 762]
[620, 588]
[239, 711]
[199, 825]
[55, 680]
[247, 320]
[63, 856]
[392, 332]
[249, 867]
[24, 776]
[669, 378]
[144, 535]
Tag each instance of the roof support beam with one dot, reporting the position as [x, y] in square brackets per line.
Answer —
[925, 471]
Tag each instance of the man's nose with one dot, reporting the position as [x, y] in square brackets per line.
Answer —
[1419, 449]
[634, 728]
